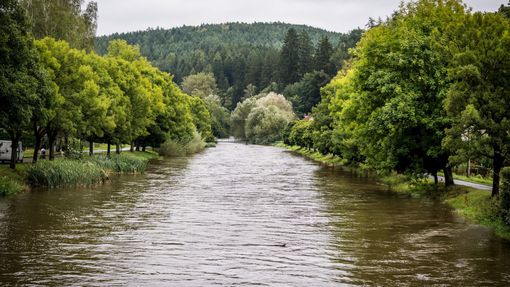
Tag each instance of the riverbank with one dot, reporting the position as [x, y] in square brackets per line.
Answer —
[476, 206]
[71, 172]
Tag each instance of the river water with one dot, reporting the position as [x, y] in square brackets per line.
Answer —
[242, 215]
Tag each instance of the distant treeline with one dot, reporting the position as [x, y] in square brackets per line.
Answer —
[239, 54]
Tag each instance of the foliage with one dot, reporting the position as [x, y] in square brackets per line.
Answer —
[9, 186]
[479, 97]
[200, 85]
[65, 172]
[87, 171]
[23, 83]
[262, 119]
[174, 148]
[305, 94]
[238, 54]
[63, 20]
[220, 117]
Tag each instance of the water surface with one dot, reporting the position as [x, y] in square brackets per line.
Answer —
[242, 215]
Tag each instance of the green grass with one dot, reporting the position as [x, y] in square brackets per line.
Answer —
[479, 207]
[329, 159]
[71, 172]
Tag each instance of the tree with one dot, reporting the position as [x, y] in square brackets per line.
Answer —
[479, 98]
[63, 20]
[200, 85]
[305, 54]
[22, 81]
[289, 58]
[220, 117]
[392, 99]
[305, 94]
[323, 55]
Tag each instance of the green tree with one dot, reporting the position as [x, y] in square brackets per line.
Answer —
[289, 58]
[22, 81]
[479, 98]
[323, 55]
[63, 20]
[200, 85]
[305, 54]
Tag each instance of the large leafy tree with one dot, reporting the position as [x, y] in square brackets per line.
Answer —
[22, 81]
[479, 98]
[399, 83]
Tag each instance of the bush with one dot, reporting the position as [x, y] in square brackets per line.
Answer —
[121, 163]
[65, 172]
[9, 186]
[88, 171]
[173, 148]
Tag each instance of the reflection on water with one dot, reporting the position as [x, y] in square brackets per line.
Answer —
[241, 215]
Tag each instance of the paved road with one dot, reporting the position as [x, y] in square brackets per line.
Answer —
[468, 184]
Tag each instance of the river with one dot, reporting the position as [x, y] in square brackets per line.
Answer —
[242, 215]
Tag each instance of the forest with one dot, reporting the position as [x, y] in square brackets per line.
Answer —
[241, 56]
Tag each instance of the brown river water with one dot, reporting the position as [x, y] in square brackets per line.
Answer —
[242, 215]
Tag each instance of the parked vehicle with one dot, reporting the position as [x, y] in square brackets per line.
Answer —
[6, 149]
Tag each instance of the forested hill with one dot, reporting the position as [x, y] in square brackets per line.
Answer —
[155, 41]
[238, 54]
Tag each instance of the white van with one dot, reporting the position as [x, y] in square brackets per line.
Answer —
[6, 149]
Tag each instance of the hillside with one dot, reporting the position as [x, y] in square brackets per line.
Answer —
[237, 53]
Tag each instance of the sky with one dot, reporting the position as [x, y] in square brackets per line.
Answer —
[333, 15]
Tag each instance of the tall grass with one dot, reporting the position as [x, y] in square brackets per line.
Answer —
[87, 171]
[65, 172]
[175, 149]
[9, 186]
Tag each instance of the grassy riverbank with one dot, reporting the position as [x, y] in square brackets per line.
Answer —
[71, 172]
[477, 206]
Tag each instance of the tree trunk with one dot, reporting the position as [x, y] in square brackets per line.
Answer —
[91, 147]
[132, 148]
[448, 176]
[436, 181]
[38, 135]
[108, 150]
[14, 149]
[117, 148]
[143, 148]
[137, 147]
[497, 163]
[51, 144]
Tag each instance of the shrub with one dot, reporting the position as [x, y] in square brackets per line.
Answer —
[9, 186]
[65, 172]
[174, 148]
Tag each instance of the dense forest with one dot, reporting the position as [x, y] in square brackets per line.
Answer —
[258, 56]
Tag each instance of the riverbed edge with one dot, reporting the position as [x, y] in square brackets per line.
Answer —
[474, 205]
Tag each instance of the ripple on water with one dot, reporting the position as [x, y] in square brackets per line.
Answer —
[241, 215]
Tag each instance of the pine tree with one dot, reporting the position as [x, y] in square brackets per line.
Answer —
[305, 52]
[289, 58]
[323, 57]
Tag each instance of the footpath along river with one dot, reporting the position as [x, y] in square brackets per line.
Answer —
[242, 215]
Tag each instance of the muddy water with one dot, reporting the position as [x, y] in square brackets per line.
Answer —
[242, 215]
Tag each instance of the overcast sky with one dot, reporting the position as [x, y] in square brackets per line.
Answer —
[333, 15]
